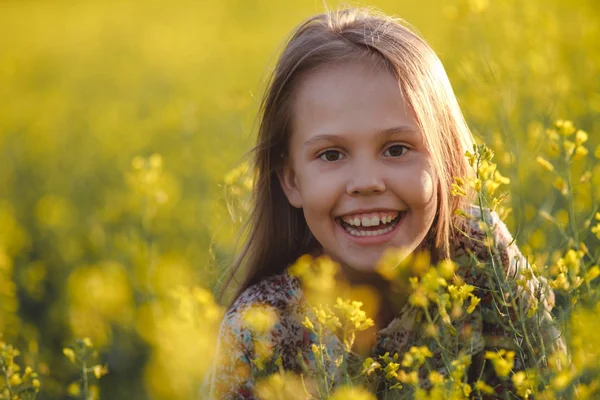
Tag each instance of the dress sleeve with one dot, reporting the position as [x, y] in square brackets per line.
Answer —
[231, 375]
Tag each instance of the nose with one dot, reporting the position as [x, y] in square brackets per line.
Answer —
[365, 179]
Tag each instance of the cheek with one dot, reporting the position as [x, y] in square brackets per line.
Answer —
[427, 186]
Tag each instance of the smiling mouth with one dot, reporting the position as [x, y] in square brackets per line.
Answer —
[380, 229]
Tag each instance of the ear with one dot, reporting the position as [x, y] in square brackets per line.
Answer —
[289, 184]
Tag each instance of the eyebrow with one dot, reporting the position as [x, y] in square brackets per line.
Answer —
[386, 133]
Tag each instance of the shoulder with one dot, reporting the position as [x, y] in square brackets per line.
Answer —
[481, 232]
[276, 297]
[279, 291]
[475, 222]
[256, 324]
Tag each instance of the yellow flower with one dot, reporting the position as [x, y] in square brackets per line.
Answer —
[281, 386]
[547, 165]
[260, 319]
[100, 371]
[416, 356]
[74, 389]
[308, 324]
[391, 370]
[419, 299]
[596, 230]
[352, 393]
[565, 128]
[370, 365]
[351, 311]
[561, 282]
[411, 378]
[15, 379]
[561, 381]
[446, 268]
[502, 361]
[460, 293]
[581, 137]
[560, 184]
[580, 152]
[523, 384]
[69, 353]
[457, 188]
[474, 301]
[484, 387]
[327, 318]
[569, 147]
[436, 378]
[597, 152]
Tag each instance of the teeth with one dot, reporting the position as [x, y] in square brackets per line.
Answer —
[372, 220]
[355, 232]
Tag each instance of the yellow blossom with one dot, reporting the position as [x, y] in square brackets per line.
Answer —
[282, 386]
[436, 378]
[565, 128]
[15, 379]
[561, 381]
[370, 365]
[523, 384]
[561, 282]
[502, 361]
[560, 184]
[411, 378]
[351, 312]
[569, 147]
[307, 323]
[484, 387]
[392, 262]
[260, 319]
[74, 389]
[100, 371]
[580, 152]
[580, 137]
[69, 353]
[474, 301]
[545, 163]
[416, 356]
[352, 393]
[596, 230]
[592, 273]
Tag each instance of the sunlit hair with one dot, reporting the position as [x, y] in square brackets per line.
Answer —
[276, 233]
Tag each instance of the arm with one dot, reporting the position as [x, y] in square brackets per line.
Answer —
[231, 375]
[515, 303]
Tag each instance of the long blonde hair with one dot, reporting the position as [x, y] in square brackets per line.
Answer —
[276, 232]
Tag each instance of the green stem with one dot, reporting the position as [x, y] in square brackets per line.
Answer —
[5, 373]
[84, 380]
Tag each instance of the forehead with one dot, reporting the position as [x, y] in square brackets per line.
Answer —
[349, 98]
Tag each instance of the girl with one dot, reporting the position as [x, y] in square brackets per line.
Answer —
[360, 139]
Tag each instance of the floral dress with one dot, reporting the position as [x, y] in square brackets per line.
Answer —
[235, 371]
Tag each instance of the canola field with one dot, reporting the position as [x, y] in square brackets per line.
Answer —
[123, 130]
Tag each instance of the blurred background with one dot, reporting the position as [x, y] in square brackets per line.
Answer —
[123, 126]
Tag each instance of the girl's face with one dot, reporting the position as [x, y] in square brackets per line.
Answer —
[358, 166]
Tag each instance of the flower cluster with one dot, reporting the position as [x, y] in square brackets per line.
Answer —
[17, 384]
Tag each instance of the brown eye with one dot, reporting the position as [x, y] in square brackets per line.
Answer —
[396, 150]
[331, 155]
